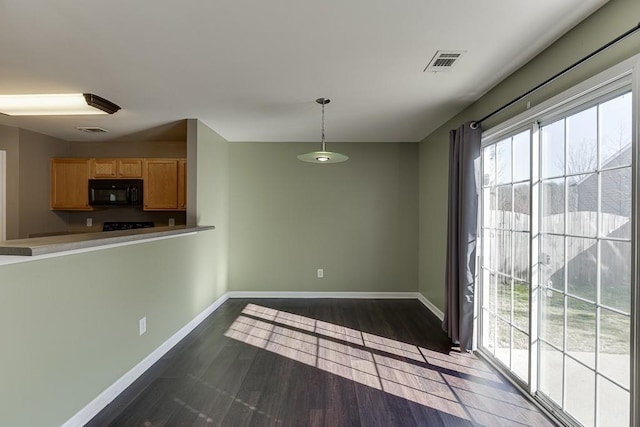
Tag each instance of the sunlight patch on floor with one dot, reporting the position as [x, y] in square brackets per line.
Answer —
[459, 385]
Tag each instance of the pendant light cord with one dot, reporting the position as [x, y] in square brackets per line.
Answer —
[323, 156]
[323, 143]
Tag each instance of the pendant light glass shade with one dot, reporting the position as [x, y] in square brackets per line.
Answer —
[323, 156]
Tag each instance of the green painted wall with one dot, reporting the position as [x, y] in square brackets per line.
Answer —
[613, 19]
[356, 220]
[69, 324]
[212, 196]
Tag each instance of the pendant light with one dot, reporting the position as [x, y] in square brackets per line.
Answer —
[323, 156]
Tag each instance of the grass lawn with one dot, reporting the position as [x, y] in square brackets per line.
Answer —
[581, 321]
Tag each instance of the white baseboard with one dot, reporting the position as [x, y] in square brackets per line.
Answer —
[290, 294]
[107, 396]
[361, 295]
[431, 306]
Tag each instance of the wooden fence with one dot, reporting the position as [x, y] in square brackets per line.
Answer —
[581, 256]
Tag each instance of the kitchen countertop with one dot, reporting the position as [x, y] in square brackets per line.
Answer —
[69, 242]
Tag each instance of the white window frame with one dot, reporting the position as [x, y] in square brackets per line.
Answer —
[624, 74]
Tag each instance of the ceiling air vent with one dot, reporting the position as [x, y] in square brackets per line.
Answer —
[443, 60]
[91, 129]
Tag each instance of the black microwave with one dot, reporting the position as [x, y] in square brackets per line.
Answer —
[115, 192]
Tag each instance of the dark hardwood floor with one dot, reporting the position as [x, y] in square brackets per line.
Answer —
[319, 362]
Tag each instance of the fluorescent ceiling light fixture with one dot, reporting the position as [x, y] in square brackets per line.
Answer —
[65, 104]
[323, 156]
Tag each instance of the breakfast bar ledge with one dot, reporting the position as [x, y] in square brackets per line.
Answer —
[11, 249]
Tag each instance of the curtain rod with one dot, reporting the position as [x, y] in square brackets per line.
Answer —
[475, 124]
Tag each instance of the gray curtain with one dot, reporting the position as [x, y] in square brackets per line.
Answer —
[464, 170]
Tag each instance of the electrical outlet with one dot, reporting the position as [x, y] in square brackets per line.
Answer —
[142, 325]
[320, 273]
[172, 222]
[89, 222]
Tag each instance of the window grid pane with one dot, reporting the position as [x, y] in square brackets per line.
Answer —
[506, 266]
[588, 224]
[584, 259]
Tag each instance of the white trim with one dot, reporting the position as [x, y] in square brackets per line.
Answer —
[293, 294]
[431, 306]
[634, 410]
[107, 396]
[3, 195]
[489, 360]
[358, 295]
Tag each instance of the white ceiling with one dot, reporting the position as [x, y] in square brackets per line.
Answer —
[251, 69]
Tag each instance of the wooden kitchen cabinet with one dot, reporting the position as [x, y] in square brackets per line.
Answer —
[103, 168]
[116, 168]
[70, 184]
[129, 168]
[164, 187]
[182, 184]
[163, 180]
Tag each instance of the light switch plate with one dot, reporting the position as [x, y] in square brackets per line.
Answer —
[142, 325]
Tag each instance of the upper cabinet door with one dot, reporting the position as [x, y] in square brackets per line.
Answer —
[104, 168]
[160, 184]
[116, 168]
[70, 184]
[130, 168]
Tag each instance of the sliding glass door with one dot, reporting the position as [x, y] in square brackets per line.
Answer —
[567, 338]
[585, 266]
[505, 237]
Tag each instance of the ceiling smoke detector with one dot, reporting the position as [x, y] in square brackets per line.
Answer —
[443, 60]
[91, 129]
